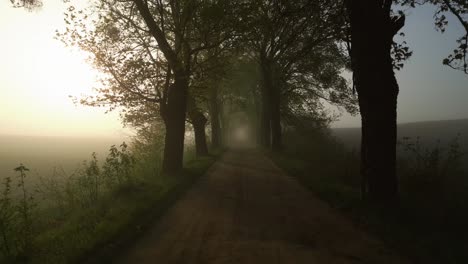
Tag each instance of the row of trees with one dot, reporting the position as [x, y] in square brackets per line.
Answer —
[171, 61]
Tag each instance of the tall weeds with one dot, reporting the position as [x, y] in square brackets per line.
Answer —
[62, 196]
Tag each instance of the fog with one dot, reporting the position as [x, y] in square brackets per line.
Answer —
[42, 154]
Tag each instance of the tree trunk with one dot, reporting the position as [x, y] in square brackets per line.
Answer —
[199, 124]
[276, 133]
[271, 106]
[200, 136]
[199, 121]
[175, 112]
[214, 118]
[266, 94]
[265, 119]
[256, 120]
[372, 32]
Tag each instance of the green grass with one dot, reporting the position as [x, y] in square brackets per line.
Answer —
[93, 233]
[127, 222]
[117, 221]
[428, 227]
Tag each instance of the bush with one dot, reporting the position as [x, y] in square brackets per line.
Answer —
[83, 210]
[16, 218]
[430, 224]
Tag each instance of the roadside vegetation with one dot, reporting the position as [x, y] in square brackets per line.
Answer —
[263, 70]
[427, 225]
[71, 217]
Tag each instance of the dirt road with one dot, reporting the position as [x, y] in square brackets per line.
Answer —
[246, 210]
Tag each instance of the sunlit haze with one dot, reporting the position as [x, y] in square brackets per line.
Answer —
[38, 74]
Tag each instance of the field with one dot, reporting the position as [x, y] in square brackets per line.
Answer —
[428, 224]
[42, 154]
[430, 134]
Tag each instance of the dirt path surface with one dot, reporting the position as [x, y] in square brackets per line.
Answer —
[246, 210]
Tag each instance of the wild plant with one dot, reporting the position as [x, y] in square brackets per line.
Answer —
[118, 166]
[432, 163]
[7, 211]
[432, 177]
[54, 190]
[25, 210]
[88, 180]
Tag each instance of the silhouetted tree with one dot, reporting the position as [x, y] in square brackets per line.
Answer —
[374, 56]
[156, 44]
[284, 34]
[372, 29]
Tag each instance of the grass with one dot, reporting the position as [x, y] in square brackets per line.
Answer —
[87, 216]
[142, 209]
[429, 226]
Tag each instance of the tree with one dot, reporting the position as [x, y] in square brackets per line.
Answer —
[154, 43]
[372, 29]
[209, 71]
[374, 56]
[198, 120]
[283, 34]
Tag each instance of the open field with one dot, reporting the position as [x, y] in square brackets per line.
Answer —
[42, 154]
[429, 132]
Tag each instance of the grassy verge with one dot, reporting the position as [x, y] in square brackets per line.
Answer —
[424, 230]
[93, 233]
[142, 211]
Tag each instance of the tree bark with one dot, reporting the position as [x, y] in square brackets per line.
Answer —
[372, 32]
[257, 115]
[265, 119]
[214, 118]
[271, 106]
[175, 113]
[199, 124]
[199, 121]
[266, 110]
[276, 132]
[175, 109]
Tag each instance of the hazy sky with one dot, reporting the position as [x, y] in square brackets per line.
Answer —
[37, 74]
[428, 89]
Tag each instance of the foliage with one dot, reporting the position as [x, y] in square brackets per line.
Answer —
[297, 42]
[72, 214]
[136, 75]
[7, 217]
[428, 226]
[432, 176]
[459, 9]
[16, 218]
[118, 166]
[27, 4]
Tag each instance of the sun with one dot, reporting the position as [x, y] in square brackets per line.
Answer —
[38, 74]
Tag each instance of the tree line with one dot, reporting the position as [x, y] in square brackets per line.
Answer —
[166, 63]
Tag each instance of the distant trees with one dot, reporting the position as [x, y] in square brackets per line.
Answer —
[294, 45]
[149, 52]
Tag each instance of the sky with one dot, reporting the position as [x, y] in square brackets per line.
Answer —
[38, 74]
[428, 90]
